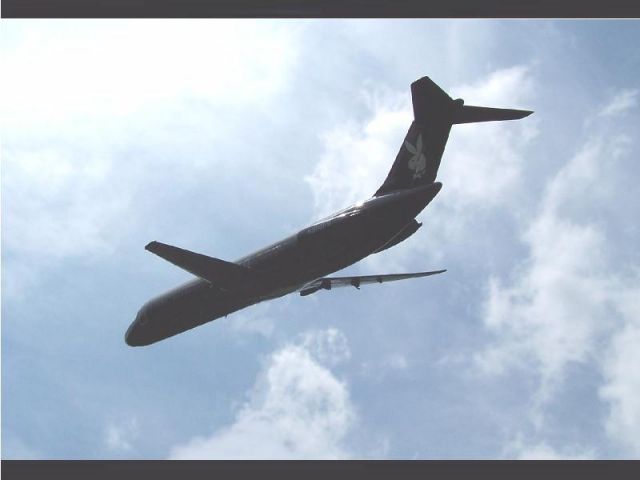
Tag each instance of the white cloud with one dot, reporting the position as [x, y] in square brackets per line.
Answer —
[569, 297]
[58, 205]
[357, 158]
[623, 101]
[562, 301]
[64, 69]
[298, 409]
[328, 346]
[88, 112]
[483, 163]
[557, 307]
[256, 320]
[622, 376]
[119, 437]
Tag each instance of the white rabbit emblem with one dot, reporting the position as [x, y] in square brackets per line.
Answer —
[417, 163]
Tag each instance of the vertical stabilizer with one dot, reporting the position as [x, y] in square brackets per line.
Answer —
[434, 113]
[419, 157]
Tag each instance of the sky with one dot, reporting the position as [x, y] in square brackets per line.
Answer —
[220, 136]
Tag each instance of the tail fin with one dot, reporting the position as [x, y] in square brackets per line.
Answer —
[434, 113]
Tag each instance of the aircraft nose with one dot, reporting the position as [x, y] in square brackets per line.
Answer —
[133, 336]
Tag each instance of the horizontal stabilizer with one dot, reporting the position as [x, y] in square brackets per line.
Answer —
[225, 275]
[328, 283]
[471, 114]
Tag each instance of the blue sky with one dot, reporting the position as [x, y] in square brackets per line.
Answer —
[221, 136]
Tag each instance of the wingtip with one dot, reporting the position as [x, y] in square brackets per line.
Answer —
[433, 272]
[518, 114]
[149, 246]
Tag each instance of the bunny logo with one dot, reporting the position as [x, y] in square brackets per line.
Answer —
[417, 163]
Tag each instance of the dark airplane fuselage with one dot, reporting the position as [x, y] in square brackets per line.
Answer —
[286, 266]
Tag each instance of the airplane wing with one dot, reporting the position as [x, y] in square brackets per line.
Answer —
[328, 283]
[225, 275]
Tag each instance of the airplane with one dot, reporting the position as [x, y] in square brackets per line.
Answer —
[302, 261]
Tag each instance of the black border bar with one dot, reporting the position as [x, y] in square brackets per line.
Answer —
[351, 469]
[320, 8]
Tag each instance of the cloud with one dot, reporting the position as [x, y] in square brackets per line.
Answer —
[357, 157]
[93, 129]
[119, 437]
[328, 346]
[297, 410]
[256, 320]
[557, 306]
[561, 301]
[119, 69]
[483, 164]
[622, 102]
[622, 376]
[58, 204]
[569, 302]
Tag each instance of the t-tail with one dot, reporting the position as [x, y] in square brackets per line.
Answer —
[434, 113]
